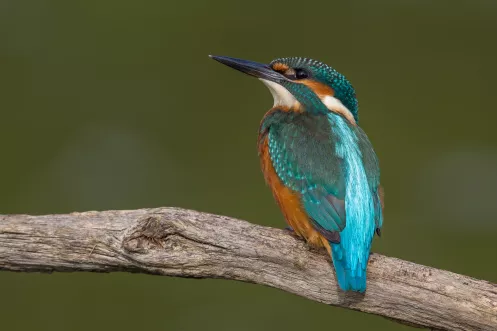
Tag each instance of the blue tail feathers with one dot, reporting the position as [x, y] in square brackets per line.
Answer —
[349, 279]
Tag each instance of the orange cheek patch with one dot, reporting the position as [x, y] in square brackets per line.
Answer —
[280, 67]
[320, 89]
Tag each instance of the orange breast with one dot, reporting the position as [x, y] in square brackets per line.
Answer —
[289, 202]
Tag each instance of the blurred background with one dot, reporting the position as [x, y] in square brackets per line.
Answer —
[115, 105]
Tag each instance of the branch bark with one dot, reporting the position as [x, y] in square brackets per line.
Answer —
[185, 243]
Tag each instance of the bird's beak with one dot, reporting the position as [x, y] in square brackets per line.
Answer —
[255, 69]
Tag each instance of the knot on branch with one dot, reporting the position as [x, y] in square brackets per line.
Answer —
[150, 233]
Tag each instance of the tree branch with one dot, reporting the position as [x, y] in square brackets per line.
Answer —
[185, 243]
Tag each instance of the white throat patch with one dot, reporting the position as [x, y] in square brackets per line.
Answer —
[281, 96]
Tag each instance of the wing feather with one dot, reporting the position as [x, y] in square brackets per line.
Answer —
[303, 157]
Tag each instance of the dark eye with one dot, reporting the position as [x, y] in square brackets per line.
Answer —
[301, 74]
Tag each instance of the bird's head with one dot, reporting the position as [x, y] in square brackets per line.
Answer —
[302, 84]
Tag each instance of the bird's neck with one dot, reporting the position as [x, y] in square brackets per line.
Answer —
[295, 98]
[311, 97]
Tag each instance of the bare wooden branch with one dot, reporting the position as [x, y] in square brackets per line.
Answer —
[185, 243]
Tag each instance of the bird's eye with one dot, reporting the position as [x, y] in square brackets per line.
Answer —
[301, 74]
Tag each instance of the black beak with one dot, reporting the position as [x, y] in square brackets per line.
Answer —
[255, 69]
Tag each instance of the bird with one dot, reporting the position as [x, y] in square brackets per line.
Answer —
[318, 162]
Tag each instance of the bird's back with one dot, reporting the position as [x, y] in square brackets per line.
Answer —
[325, 176]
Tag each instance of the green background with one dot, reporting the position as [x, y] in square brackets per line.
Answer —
[115, 105]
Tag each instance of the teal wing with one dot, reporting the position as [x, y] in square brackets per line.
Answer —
[304, 156]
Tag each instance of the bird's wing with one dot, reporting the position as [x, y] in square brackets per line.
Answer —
[304, 158]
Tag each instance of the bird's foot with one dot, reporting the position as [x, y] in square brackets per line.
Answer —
[293, 233]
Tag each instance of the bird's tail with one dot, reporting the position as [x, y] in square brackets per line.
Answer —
[349, 278]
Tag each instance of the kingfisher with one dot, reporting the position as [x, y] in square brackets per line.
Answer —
[318, 162]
